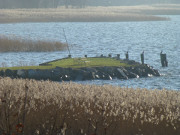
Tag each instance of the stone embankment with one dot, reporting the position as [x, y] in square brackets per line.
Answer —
[84, 73]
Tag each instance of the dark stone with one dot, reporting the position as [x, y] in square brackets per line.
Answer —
[137, 70]
[151, 70]
[77, 74]
[121, 74]
[83, 74]
[109, 70]
[156, 72]
[65, 78]
[100, 74]
[90, 69]
[67, 71]
[133, 75]
[88, 75]
[10, 73]
[97, 76]
[31, 74]
[21, 73]
[143, 70]
[106, 77]
[79, 77]
[2, 73]
[129, 73]
[39, 74]
[57, 73]
[66, 74]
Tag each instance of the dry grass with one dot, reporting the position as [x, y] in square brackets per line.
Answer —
[50, 108]
[15, 44]
[89, 14]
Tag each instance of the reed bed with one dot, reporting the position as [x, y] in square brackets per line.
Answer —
[89, 14]
[16, 44]
[32, 107]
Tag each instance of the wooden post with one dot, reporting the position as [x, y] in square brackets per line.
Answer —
[127, 55]
[142, 57]
[69, 56]
[118, 56]
[164, 61]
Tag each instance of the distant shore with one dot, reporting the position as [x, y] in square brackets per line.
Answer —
[90, 14]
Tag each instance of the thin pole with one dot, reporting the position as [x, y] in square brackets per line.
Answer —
[66, 42]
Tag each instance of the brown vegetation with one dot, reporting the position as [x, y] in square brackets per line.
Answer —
[14, 44]
[48, 108]
[89, 14]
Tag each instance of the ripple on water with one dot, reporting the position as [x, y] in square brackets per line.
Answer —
[103, 38]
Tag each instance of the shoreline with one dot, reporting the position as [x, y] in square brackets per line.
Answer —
[90, 14]
[86, 18]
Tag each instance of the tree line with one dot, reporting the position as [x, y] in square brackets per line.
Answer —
[41, 3]
[76, 3]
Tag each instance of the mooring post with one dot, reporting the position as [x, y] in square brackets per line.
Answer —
[164, 61]
[127, 55]
[69, 56]
[118, 56]
[142, 57]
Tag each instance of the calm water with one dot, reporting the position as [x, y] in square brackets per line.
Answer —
[94, 39]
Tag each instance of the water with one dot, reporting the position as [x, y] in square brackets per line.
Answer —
[94, 39]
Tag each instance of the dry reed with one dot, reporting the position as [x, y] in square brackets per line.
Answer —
[15, 44]
[48, 108]
[89, 14]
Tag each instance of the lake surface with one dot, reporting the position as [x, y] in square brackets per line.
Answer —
[99, 38]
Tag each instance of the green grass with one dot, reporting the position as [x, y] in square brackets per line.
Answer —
[87, 62]
[75, 63]
[26, 67]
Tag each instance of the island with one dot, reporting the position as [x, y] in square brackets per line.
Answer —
[80, 69]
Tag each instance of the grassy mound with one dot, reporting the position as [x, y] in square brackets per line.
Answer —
[88, 62]
[75, 63]
[44, 107]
